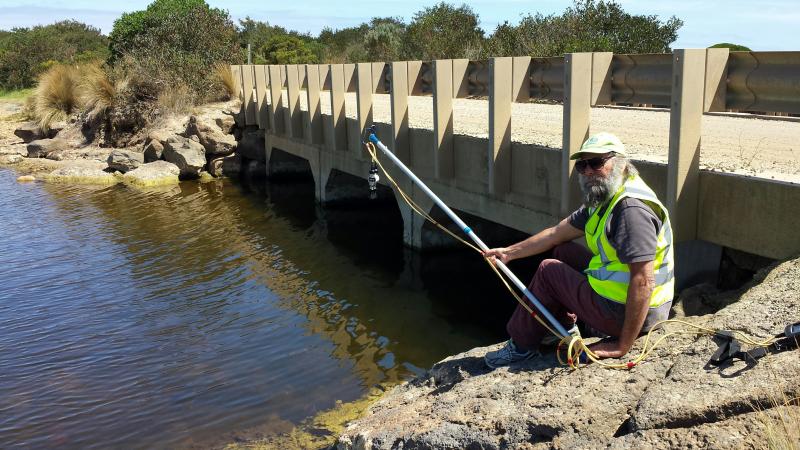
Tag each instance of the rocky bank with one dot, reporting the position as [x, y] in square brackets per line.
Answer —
[205, 143]
[673, 399]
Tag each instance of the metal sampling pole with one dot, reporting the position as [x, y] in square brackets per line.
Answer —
[468, 231]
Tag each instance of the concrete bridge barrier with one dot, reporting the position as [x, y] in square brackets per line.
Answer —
[320, 112]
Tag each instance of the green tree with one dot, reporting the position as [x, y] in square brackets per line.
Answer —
[732, 47]
[285, 49]
[444, 31]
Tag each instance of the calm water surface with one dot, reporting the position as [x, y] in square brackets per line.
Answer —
[190, 315]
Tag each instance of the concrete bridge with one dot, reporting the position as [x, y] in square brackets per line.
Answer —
[529, 183]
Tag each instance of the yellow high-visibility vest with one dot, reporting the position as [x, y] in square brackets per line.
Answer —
[607, 275]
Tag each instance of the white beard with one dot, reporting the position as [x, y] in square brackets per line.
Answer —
[597, 189]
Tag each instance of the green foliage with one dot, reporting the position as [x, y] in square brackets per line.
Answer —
[285, 49]
[732, 47]
[131, 25]
[25, 53]
[444, 31]
[385, 40]
[587, 26]
[181, 42]
[345, 45]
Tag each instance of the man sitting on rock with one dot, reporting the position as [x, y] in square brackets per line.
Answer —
[622, 285]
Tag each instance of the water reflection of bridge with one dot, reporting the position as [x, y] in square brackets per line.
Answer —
[380, 321]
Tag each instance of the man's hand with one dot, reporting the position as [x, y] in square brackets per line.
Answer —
[611, 349]
[498, 254]
[636, 307]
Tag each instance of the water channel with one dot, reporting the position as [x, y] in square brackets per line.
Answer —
[193, 315]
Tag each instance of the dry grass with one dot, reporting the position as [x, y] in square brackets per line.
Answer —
[56, 96]
[223, 74]
[782, 423]
[177, 100]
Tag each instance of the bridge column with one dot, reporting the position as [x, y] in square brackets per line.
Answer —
[412, 222]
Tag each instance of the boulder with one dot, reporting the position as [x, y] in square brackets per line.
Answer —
[251, 146]
[154, 146]
[226, 123]
[80, 174]
[211, 137]
[156, 173]
[152, 151]
[672, 398]
[29, 132]
[187, 154]
[40, 148]
[125, 160]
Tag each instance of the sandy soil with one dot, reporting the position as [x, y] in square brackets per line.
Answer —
[746, 145]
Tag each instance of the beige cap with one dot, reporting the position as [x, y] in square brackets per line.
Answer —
[599, 144]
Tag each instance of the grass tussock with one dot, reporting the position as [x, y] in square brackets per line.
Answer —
[781, 423]
[224, 76]
[56, 97]
[98, 91]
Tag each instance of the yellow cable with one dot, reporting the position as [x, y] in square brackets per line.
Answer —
[575, 345]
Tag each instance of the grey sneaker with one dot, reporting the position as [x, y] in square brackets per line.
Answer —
[552, 339]
[506, 355]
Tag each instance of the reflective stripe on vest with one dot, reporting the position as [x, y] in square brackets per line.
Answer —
[607, 275]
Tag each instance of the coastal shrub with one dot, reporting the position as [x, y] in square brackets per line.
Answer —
[444, 31]
[285, 49]
[176, 43]
[56, 96]
[26, 53]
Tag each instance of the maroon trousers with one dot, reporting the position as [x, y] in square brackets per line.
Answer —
[561, 286]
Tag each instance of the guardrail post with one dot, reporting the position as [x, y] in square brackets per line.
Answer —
[686, 114]
[444, 161]
[601, 78]
[261, 96]
[716, 77]
[500, 78]
[460, 82]
[414, 77]
[338, 117]
[249, 104]
[521, 87]
[577, 109]
[276, 92]
[293, 119]
[314, 112]
[364, 91]
[399, 104]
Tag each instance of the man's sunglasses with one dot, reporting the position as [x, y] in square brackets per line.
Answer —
[595, 163]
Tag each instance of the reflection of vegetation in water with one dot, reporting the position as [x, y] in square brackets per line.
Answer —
[316, 432]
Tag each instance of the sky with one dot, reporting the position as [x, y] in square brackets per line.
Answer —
[761, 25]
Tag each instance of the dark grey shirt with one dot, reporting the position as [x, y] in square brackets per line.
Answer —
[632, 229]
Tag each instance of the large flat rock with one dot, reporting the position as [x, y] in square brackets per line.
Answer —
[459, 403]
